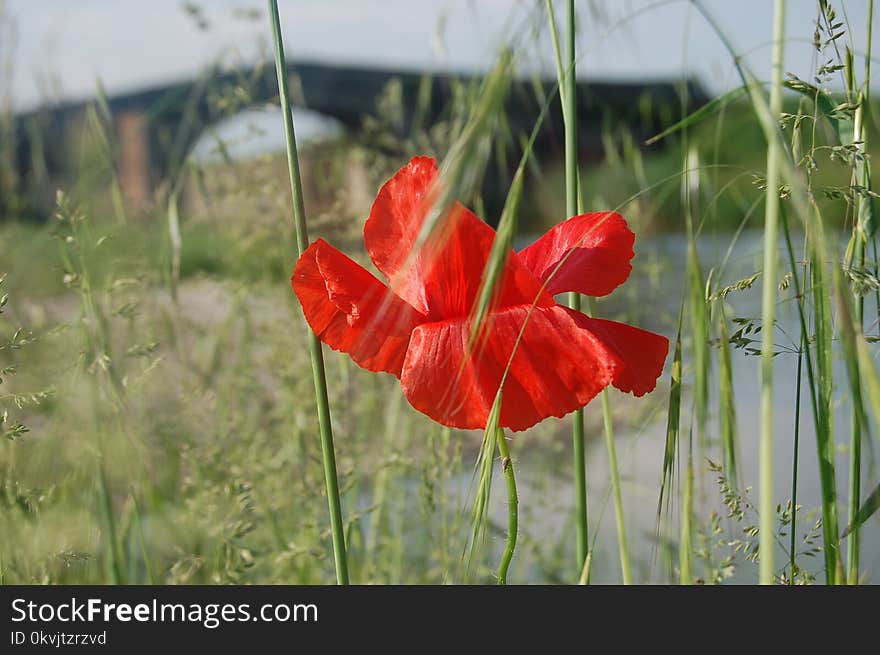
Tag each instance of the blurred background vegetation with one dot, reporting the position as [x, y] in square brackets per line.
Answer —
[156, 403]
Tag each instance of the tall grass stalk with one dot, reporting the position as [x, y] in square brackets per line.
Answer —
[768, 310]
[483, 471]
[820, 412]
[687, 514]
[795, 455]
[566, 82]
[696, 293]
[825, 404]
[317, 359]
[855, 444]
[620, 517]
[608, 431]
[109, 147]
[727, 402]
[381, 485]
[569, 113]
[142, 542]
[584, 578]
[97, 341]
[699, 322]
[820, 256]
[114, 558]
[673, 424]
[803, 355]
[616, 490]
[862, 227]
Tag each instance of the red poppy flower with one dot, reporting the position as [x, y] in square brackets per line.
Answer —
[419, 328]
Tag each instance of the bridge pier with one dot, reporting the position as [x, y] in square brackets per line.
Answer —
[135, 167]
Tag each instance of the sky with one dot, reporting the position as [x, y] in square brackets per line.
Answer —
[55, 49]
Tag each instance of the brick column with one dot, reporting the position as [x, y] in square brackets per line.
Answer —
[134, 157]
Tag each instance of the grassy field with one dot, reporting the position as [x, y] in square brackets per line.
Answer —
[159, 415]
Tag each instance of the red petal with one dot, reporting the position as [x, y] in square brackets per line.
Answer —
[558, 367]
[642, 353]
[351, 311]
[443, 278]
[601, 246]
[394, 223]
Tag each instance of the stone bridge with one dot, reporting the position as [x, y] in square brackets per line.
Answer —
[149, 132]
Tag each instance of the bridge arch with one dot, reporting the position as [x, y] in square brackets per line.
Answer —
[155, 129]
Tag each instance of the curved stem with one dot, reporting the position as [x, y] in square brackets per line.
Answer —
[512, 507]
[319, 377]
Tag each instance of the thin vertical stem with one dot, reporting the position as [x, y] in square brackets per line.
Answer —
[616, 489]
[317, 358]
[114, 559]
[512, 507]
[803, 354]
[855, 445]
[143, 543]
[768, 309]
[860, 243]
[569, 109]
[622, 544]
[687, 511]
[567, 95]
[794, 460]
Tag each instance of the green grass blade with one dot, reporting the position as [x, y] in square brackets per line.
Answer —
[566, 74]
[317, 358]
[673, 420]
[710, 108]
[503, 241]
[867, 509]
[850, 320]
[863, 229]
[567, 94]
[141, 540]
[768, 312]
[111, 538]
[484, 471]
[697, 308]
[727, 403]
[685, 547]
[825, 400]
[622, 542]
[795, 460]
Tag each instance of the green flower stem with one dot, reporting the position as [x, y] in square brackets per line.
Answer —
[317, 358]
[512, 507]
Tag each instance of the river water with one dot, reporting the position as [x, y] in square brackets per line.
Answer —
[657, 284]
